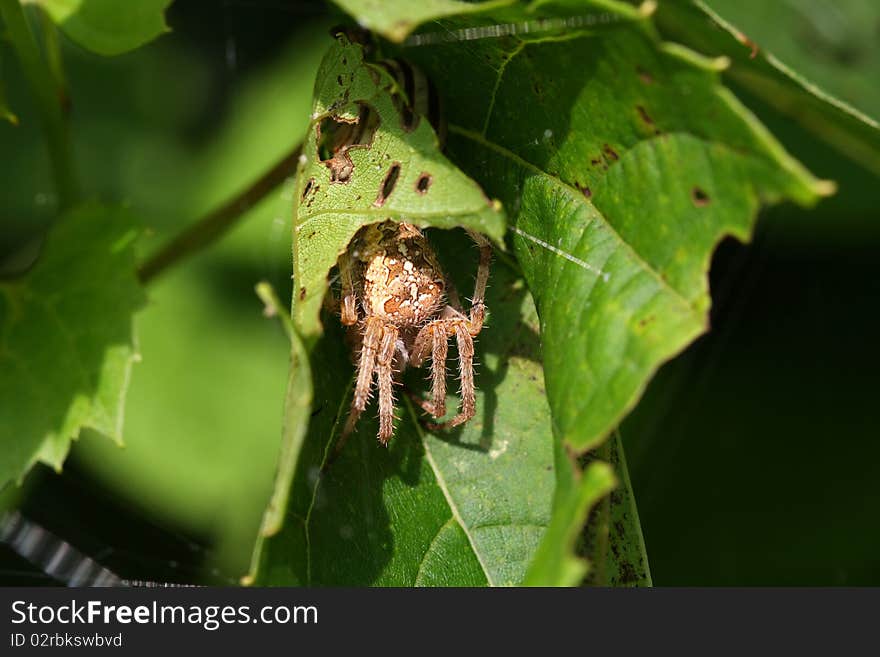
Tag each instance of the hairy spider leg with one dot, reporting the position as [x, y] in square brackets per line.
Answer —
[385, 376]
[375, 327]
[433, 336]
[465, 343]
[348, 312]
[436, 334]
[478, 308]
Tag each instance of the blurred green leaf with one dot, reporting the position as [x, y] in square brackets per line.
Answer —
[830, 42]
[216, 458]
[6, 114]
[66, 343]
[108, 27]
[846, 128]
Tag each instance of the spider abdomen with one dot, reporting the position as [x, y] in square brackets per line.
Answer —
[402, 281]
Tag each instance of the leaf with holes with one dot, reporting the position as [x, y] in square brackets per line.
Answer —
[108, 27]
[367, 159]
[66, 343]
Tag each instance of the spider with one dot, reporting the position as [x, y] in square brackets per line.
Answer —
[394, 298]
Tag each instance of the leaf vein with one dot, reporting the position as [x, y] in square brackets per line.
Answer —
[441, 482]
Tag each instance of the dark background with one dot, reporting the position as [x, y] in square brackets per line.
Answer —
[754, 456]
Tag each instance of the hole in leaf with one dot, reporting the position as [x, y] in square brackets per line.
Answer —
[307, 189]
[423, 183]
[699, 197]
[336, 136]
[388, 185]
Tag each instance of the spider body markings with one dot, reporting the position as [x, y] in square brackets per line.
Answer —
[402, 310]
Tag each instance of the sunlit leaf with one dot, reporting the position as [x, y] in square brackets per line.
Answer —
[620, 180]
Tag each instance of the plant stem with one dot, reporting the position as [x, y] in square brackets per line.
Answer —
[215, 224]
[50, 100]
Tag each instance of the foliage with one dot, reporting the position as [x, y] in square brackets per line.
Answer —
[619, 160]
[67, 345]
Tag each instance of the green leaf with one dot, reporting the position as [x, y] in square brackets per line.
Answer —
[830, 43]
[620, 191]
[623, 162]
[445, 509]
[66, 343]
[554, 563]
[108, 27]
[849, 130]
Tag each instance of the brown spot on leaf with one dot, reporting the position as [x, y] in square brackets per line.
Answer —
[643, 114]
[700, 197]
[585, 190]
[423, 183]
[644, 76]
[610, 152]
[388, 185]
[302, 293]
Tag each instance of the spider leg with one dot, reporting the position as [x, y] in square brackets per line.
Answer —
[385, 376]
[433, 335]
[366, 364]
[348, 309]
[478, 308]
[465, 343]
